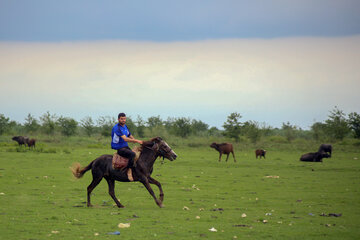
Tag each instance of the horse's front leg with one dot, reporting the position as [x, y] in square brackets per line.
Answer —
[153, 181]
[146, 183]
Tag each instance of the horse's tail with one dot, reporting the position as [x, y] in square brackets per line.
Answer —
[77, 172]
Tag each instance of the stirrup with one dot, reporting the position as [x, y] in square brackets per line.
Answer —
[129, 174]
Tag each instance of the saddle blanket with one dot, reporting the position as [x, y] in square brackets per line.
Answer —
[119, 162]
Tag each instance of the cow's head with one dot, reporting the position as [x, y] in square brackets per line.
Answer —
[213, 145]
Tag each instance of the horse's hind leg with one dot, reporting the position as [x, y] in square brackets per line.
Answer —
[227, 156]
[111, 184]
[153, 181]
[91, 187]
[234, 156]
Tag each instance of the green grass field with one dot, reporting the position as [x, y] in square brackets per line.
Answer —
[276, 198]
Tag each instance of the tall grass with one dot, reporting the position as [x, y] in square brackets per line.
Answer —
[268, 143]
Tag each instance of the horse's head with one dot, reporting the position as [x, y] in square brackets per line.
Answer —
[163, 149]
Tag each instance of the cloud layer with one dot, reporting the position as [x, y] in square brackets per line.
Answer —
[272, 81]
[187, 20]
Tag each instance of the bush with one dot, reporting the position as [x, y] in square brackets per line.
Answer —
[7, 144]
[278, 139]
[95, 145]
[67, 126]
[67, 151]
[50, 150]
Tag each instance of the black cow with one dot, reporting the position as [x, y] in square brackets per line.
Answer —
[21, 140]
[314, 157]
[260, 152]
[327, 148]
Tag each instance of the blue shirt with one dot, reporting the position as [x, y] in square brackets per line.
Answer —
[117, 131]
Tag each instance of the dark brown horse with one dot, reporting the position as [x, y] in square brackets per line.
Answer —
[102, 168]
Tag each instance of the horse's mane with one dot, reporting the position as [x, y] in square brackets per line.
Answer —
[138, 149]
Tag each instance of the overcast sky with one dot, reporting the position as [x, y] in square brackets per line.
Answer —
[271, 61]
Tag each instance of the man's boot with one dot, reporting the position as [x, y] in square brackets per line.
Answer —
[129, 174]
[129, 171]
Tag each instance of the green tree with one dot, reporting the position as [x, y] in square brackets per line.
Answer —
[252, 131]
[318, 130]
[68, 126]
[4, 124]
[198, 126]
[214, 131]
[31, 125]
[48, 123]
[182, 127]
[88, 124]
[154, 121]
[289, 131]
[106, 124]
[156, 126]
[131, 125]
[266, 130]
[169, 123]
[354, 123]
[140, 127]
[337, 124]
[232, 126]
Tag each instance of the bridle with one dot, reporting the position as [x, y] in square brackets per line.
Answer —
[155, 147]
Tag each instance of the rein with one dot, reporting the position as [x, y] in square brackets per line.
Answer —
[162, 152]
[151, 148]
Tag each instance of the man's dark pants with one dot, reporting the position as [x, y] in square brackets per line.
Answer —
[126, 152]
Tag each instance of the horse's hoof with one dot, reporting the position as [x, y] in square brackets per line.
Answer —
[159, 203]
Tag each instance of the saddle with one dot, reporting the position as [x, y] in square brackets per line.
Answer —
[120, 162]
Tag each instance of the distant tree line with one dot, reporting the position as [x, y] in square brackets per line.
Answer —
[336, 127]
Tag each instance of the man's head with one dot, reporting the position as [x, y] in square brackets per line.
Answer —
[122, 118]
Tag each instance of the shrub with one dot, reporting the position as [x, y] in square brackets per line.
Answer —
[278, 139]
[67, 151]
[67, 126]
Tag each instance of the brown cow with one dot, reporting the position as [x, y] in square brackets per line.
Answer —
[31, 142]
[260, 152]
[225, 148]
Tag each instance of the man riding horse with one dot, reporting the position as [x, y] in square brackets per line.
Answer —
[120, 137]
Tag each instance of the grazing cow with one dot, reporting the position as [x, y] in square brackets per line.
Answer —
[314, 157]
[20, 140]
[225, 148]
[260, 152]
[327, 148]
[31, 142]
